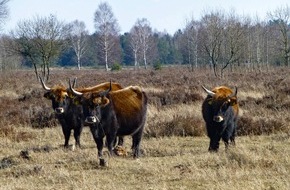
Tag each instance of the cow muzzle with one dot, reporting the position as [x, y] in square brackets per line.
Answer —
[59, 110]
[218, 119]
[92, 120]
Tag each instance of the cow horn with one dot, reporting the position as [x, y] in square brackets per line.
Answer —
[209, 92]
[110, 85]
[73, 90]
[108, 90]
[74, 82]
[235, 93]
[43, 84]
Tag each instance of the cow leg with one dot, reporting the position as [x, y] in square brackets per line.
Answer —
[111, 140]
[77, 134]
[100, 143]
[232, 138]
[136, 141]
[66, 132]
[229, 135]
[214, 144]
[233, 142]
[214, 139]
[120, 141]
[226, 141]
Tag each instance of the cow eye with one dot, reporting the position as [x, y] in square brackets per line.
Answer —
[94, 105]
[225, 105]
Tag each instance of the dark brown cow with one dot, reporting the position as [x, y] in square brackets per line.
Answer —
[220, 111]
[115, 113]
[70, 115]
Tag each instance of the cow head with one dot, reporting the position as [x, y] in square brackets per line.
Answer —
[92, 103]
[58, 96]
[221, 100]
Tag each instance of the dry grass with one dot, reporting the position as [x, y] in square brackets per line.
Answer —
[257, 162]
[175, 146]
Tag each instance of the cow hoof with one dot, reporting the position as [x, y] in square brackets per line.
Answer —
[103, 162]
[71, 147]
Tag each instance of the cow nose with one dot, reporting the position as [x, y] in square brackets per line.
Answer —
[91, 119]
[218, 118]
[59, 110]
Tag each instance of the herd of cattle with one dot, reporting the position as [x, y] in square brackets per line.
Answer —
[113, 112]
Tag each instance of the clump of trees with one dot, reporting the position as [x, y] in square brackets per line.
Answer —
[220, 41]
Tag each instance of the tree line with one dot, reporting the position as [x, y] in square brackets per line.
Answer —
[218, 40]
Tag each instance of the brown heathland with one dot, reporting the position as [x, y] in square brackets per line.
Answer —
[174, 147]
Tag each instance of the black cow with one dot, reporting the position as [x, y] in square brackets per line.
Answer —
[69, 115]
[220, 111]
[115, 113]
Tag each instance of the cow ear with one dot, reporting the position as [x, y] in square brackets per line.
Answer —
[233, 101]
[48, 95]
[70, 95]
[77, 100]
[105, 101]
[97, 101]
[65, 95]
[209, 101]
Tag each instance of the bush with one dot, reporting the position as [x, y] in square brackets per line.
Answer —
[42, 117]
[263, 126]
[179, 126]
[157, 66]
[116, 67]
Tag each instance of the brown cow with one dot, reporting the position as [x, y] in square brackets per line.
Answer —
[220, 111]
[115, 113]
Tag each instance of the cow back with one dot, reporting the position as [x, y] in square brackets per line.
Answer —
[100, 87]
[130, 107]
[127, 101]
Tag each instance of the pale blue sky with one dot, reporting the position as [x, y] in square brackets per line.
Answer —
[169, 15]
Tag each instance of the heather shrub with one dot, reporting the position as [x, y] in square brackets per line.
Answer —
[42, 117]
[261, 126]
[178, 126]
[264, 98]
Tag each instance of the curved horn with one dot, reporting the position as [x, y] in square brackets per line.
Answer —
[110, 85]
[104, 93]
[43, 84]
[235, 93]
[209, 92]
[73, 90]
[74, 82]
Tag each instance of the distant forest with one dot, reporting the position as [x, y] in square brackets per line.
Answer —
[219, 39]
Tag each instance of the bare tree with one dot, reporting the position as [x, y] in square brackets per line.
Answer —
[135, 44]
[4, 12]
[9, 60]
[145, 35]
[233, 41]
[107, 29]
[212, 28]
[191, 35]
[281, 17]
[40, 41]
[78, 39]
